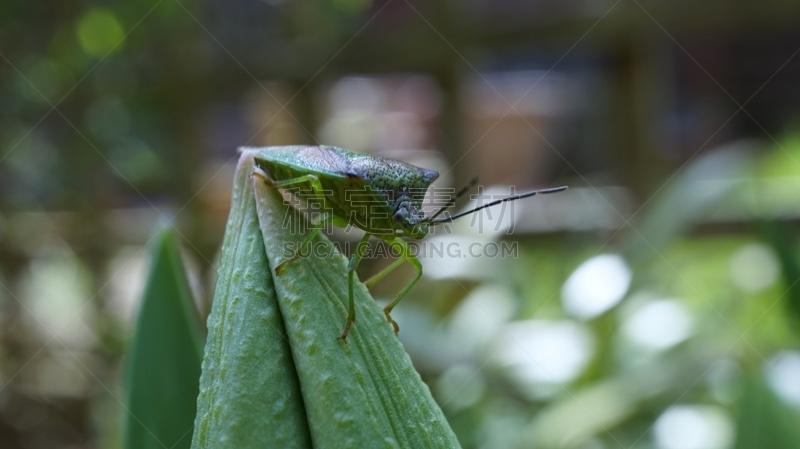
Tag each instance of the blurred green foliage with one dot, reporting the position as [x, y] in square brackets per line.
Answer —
[163, 361]
[764, 421]
[139, 84]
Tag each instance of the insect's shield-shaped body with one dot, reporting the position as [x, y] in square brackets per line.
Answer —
[381, 196]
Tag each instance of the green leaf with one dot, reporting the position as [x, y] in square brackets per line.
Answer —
[275, 374]
[784, 244]
[249, 391]
[163, 365]
[363, 393]
[764, 421]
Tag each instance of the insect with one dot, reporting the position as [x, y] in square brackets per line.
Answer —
[381, 196]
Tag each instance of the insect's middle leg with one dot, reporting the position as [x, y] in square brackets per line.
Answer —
[406, 255]
[351, 272]
[316, 225]
[381, 274]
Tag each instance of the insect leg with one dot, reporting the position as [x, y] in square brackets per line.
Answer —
[311, 179]
[406, 254]
[259, 173]
[380, 275]
[351, 272]
[316, 226]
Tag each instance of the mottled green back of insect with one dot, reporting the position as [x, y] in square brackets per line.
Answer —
[382, 196]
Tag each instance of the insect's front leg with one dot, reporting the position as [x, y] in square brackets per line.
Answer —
[405, 254]
[351, 272]
[262, 175]
[316, 225]
[316, 228]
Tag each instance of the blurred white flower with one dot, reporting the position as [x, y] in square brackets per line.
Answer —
[658, 325]
[754, 268]
[596, 286]
[546, 353]
[693, 427]
[783, 375]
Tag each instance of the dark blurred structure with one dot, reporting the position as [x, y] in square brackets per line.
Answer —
[117, 118]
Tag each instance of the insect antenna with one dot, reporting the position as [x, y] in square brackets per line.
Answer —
[464, 189]
[494, 203]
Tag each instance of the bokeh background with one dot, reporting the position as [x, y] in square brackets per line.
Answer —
[653, 305]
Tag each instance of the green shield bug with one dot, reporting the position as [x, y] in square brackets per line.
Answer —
[381, 196]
